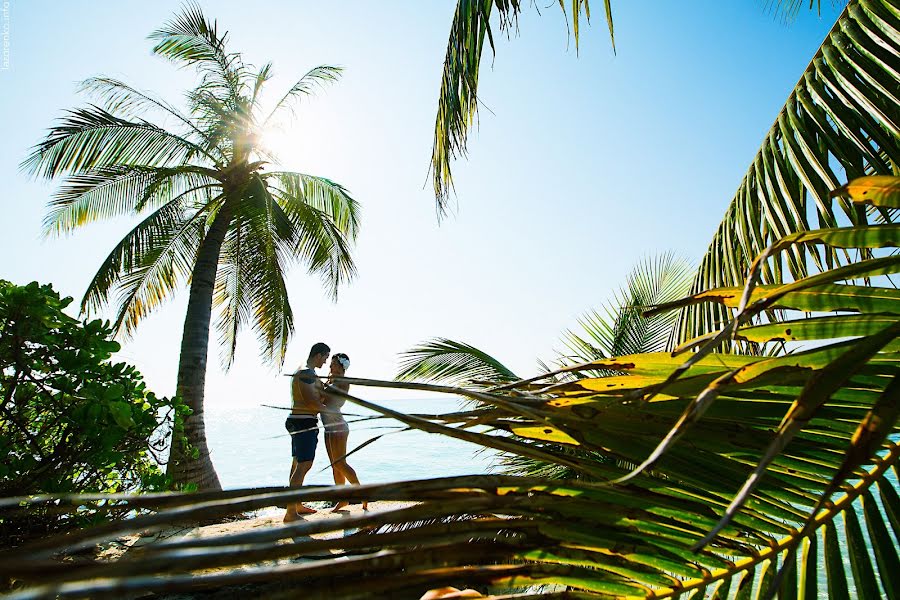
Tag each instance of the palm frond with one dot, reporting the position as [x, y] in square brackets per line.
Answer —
[452, 363]
[92, 138]
[120, 190]
[192, 39]
[789, 9]
[122, 99]
[325, 220]
[269, 248]
[621, 327]
[324, 195]
[842, 119]
[262, 76]
[230, 294]
[150, 272]
[458, 99]
[315, 78]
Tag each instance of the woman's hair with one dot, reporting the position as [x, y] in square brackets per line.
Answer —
[343, 359]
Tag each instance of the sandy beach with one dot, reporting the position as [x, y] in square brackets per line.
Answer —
[263, 519]
[131, 547]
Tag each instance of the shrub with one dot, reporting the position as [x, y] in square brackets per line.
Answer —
[71, 420]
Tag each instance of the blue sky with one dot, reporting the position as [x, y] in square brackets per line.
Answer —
[583, 164]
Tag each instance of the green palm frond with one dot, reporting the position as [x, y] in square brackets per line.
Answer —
[128, 253]
[841, 120]
[270, 247]
[230, 296]
[315, 78]
[121, 190]
[92, 138]
[326, 221]
[452, 363]
[759, 465]
[192, 39]
[150, 271]
[621, 327]
[263, 75]
[789, 9]
[458, 100]
[322, 194]
[122, 99]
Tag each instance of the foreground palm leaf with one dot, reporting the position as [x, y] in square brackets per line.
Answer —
[210, 215]
[842, 121]
[761, 441]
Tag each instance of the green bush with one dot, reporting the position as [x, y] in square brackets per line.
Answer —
[70, 419]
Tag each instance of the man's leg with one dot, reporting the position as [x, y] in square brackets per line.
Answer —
[298, 473]
[304, 436]
[297, 477]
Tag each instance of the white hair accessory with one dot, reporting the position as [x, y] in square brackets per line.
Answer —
[345, 362]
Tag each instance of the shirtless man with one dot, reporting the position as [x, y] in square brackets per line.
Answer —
[302, 423]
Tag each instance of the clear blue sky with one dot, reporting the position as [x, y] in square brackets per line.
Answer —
[584, 165]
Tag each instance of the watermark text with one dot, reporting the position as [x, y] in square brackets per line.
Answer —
[4, 32]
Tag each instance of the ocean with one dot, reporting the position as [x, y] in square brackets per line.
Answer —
[250, 447]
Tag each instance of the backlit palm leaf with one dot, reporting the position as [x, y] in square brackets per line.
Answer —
[326, 219]
[155, 270]
[130, 255]
[307, 85]
[118, 191]
[192, 39]
[92, 138]
[120, 98]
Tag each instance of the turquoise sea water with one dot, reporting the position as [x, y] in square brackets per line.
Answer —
[250, 447]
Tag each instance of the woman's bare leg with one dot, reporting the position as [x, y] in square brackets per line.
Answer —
[339, 447]
[336, 472]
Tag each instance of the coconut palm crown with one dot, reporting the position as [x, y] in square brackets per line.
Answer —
[211, 214]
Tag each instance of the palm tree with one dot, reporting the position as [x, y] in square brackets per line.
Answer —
[212, 216]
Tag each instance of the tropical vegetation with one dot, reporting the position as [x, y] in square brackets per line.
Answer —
[618, 328]
[731, 472]
[210, 212]
[71, 420]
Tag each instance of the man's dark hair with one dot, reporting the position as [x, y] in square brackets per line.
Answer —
[319, 348]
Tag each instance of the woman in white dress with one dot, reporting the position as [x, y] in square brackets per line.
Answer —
[336, 428]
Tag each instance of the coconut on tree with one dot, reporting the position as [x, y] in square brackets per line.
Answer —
[212, 215]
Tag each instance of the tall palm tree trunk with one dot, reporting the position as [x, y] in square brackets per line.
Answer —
[186, 467]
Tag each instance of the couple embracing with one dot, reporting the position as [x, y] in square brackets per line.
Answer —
[311, 399]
